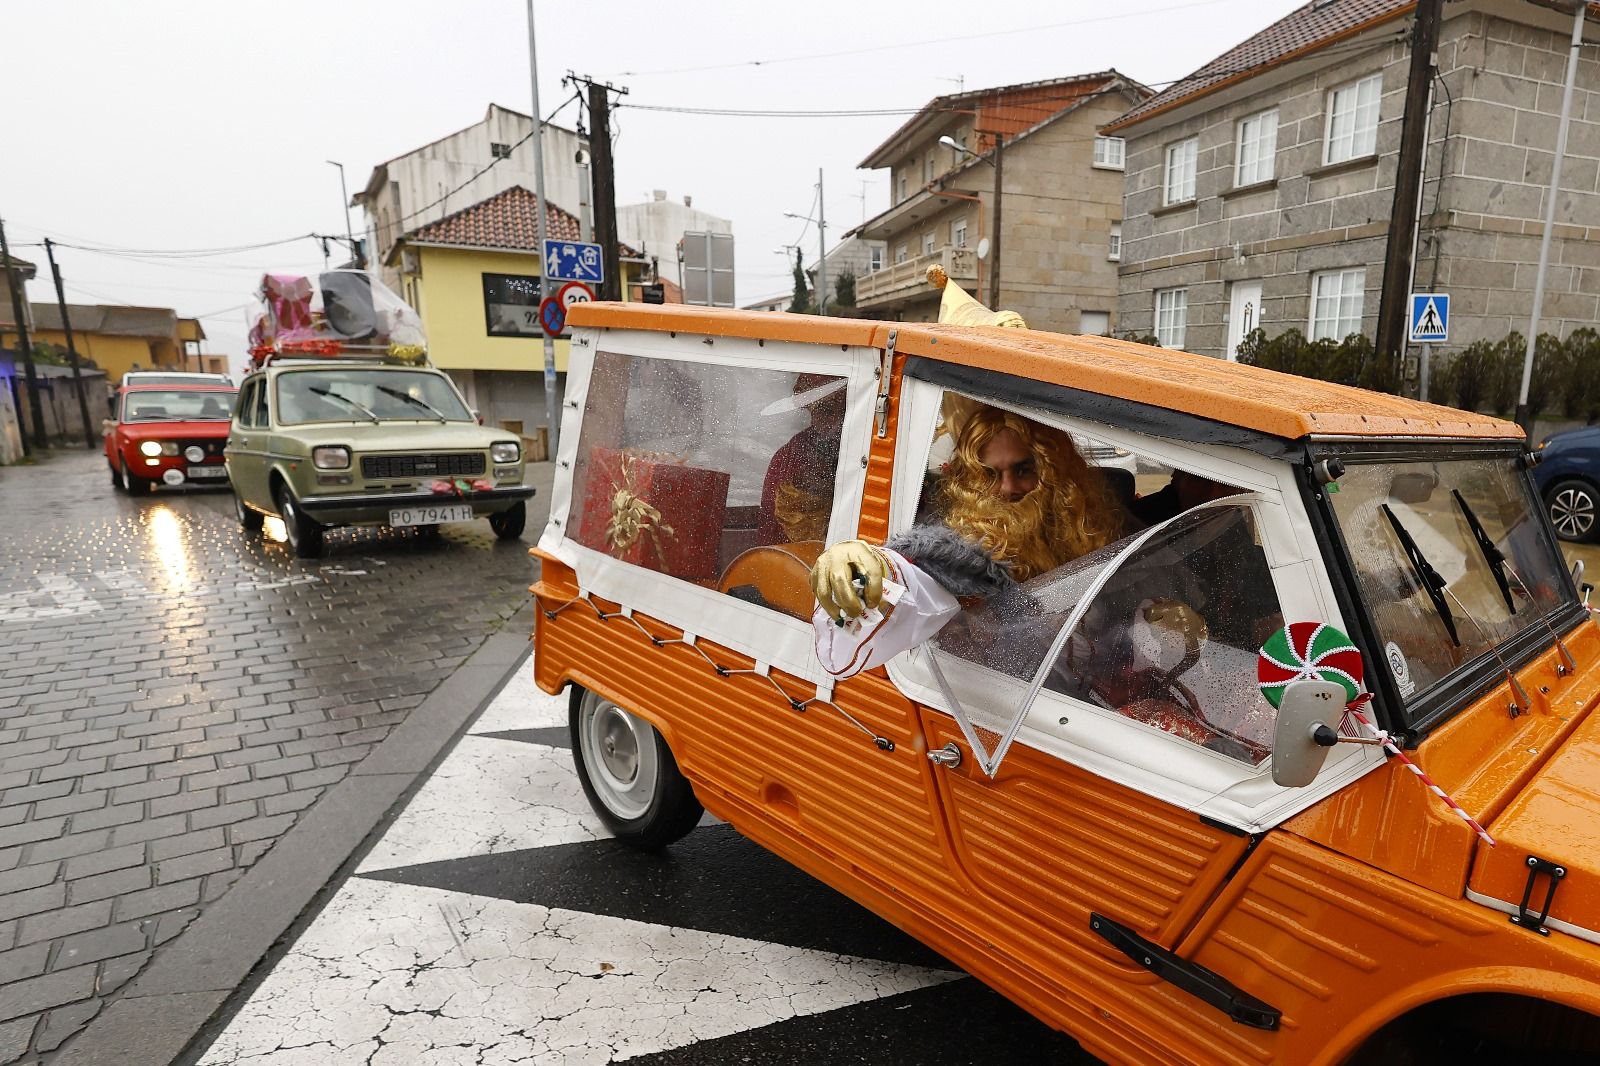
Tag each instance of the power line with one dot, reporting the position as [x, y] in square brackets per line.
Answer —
[921, 43]
[1034, 103]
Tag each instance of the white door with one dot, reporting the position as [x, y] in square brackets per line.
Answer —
[1244, 314]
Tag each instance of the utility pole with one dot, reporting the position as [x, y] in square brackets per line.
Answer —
[994, 239]
[1523, 420]
[72, 351]
[822, 247]
[1398, 254]
[541, 210]
[19, 308]
[605, 186]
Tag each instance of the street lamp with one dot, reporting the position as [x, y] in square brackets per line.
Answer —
[994, 240]
[344, 195]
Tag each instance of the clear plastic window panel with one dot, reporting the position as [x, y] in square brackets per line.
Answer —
[1380, 505]
[1128, 598]
[718, 475]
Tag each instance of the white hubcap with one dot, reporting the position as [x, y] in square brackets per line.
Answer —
[619, 752]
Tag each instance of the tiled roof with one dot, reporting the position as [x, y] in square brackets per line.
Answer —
[1304, 30]
[156, 323]
[1006, 109]
[507, 220]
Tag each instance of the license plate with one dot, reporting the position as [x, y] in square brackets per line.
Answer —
[208, 471]
[430, 516]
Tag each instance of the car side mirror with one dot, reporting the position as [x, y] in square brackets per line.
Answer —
[477, 416]
[1308, 725]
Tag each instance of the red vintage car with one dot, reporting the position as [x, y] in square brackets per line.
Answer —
[168, 435]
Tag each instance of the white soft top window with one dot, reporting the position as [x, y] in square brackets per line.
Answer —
[1136, 661]
[697, 478]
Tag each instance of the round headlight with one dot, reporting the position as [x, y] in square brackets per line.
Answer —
[505, 451]
[152, 448]
[194, 453]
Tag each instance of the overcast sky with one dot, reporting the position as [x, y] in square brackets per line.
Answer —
[167, 124]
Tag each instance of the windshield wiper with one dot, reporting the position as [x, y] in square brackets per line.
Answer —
[337, 396]
[1426, 575]
[1491, 554]
[408, 398]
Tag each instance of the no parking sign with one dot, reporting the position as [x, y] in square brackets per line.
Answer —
[552, 316]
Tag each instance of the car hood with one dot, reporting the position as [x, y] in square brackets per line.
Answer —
[169, 430]
[1550, 835]
[401, 436]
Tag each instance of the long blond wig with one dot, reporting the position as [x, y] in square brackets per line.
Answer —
[1070, 513]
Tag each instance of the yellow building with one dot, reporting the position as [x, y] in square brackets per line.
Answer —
[473, 276]
[119, 338]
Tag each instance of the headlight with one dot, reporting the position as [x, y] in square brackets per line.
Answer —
[331, 457]
[505, 451]
[152, 448]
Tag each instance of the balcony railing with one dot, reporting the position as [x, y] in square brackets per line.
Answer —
[909, 278]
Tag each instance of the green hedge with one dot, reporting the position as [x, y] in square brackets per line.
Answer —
[1487, 375]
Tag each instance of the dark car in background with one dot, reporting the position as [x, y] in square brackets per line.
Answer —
[1568, 476]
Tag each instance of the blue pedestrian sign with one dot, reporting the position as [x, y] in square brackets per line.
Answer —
[573, 261]
[1430, 317]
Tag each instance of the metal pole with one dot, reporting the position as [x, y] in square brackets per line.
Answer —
[344, 193]
[1550, 214]
[822, 246]
[1427, 357]
[994, 238]
[72, 351]
[1390, 338]
[19, 308]
[550, 407]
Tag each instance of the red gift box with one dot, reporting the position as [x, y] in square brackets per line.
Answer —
[661, 515]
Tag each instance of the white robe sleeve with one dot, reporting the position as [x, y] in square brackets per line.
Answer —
[914, 608]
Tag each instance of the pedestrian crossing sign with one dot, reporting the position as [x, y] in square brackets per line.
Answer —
[1430, 317]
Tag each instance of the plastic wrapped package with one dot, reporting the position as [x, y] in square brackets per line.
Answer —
[340, 311]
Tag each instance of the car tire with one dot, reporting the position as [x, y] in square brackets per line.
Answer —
[509, 524]
[305, 535]
[136, 485]
[116, 478]
[1574, 507]
[250, 519]
[629, 775]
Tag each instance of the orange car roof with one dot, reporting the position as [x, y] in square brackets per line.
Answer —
[1266, 401]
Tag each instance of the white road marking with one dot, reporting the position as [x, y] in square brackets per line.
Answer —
[69, 598]
[490, 796]
[382, 977]
[522, 705]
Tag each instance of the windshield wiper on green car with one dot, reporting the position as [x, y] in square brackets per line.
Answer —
[330, 394]
[1491, 554]
[1426, 575]
[408, 398]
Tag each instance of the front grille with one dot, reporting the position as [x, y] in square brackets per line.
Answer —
[438, 464]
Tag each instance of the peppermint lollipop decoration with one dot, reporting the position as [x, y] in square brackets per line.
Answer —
[1307, 651]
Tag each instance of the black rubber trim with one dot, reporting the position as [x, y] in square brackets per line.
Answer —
[1123, 414]
[1205, 985]
[1206, 819]
[352, 501]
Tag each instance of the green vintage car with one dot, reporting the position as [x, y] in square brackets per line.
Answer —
[337, 442]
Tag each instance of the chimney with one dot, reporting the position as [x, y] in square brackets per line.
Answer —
[688, 201]
[658, 194]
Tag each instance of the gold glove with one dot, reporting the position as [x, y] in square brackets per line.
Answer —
[833, 579]
[1178, 617]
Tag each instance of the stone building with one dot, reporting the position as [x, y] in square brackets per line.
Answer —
[1259, 188]
[1062, 202]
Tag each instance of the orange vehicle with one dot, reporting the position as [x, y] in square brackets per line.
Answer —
[1158, 861]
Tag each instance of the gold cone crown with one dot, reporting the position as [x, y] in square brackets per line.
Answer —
[957, 307]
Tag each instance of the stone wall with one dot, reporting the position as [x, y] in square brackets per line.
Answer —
[1479, 239]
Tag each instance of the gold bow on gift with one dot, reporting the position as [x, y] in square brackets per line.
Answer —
[632, 517]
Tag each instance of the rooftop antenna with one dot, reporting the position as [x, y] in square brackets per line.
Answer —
[960, 80]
